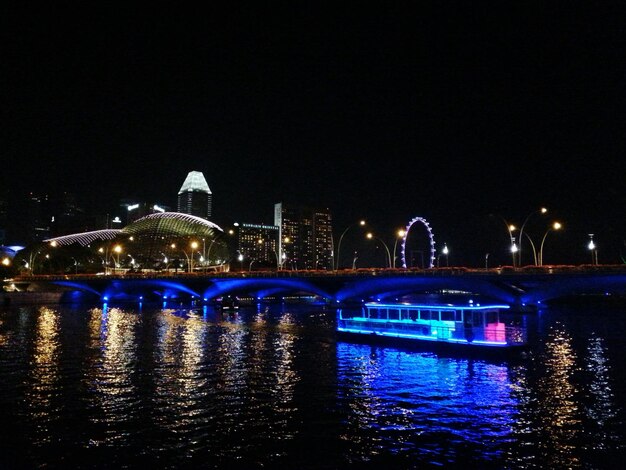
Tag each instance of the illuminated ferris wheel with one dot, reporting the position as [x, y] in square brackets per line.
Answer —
[431, 239]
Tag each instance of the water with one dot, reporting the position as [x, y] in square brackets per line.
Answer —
[272, 387]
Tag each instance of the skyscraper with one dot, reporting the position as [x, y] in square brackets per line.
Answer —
[305, 239]
[194, 196]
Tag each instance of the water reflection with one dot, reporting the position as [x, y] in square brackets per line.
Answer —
[407, 400]
[44, 369]
[111, 374]
[181, 378]
[600, 411]
[275, 388]
[558, 406]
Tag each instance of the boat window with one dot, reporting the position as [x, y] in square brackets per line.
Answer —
[448, 315]
[491, 317]
[413, 314]
[425, 314]
[394, 314]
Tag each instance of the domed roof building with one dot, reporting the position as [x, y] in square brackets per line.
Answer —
[164, 240]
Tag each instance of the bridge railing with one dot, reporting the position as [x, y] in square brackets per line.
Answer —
[361, 272]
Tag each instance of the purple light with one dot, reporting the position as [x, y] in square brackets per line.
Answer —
[430, 237]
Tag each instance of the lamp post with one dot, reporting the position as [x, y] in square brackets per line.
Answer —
[513, 249]
[400, 234]
[542, 210]
[555, 226]
[208, 254]
[510, 228]
[444, 252]
[592, 248]
[240, 258]
[105, 260]
[370, 236]
[361, 223]
[117, 249]
[194, 247]
[532, 245]
[31, 261]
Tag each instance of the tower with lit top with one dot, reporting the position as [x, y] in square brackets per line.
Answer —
[194, 196]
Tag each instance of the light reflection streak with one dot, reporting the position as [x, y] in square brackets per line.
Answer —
[286, 375]
[45, 372]
[558, 413]
[113, 339]
[180, 375]
[601, 409]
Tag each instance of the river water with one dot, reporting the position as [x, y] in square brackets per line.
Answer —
[118, 386]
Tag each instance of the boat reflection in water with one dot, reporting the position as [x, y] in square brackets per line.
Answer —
[471, 325]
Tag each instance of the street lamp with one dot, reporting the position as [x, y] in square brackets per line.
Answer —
[117, 249]
[105, 260]
[361, 223]
[555, 226]
[240, 258]
[444, 252]
[592, 248]
[194, 247]
[532, 245]
[542, 210]
[513, 249]
[400, 234]
[370, 236]
[510, 228]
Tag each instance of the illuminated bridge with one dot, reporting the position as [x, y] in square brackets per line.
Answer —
[520, 288]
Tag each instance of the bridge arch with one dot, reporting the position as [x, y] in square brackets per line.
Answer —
[431, 239]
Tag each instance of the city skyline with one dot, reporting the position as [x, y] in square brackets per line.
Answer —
[450, 114]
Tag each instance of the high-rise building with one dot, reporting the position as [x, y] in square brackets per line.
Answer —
[305, 239]
[133, 209]
[195, 197]
[258, 245]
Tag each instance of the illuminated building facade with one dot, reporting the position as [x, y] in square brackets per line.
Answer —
[159, 241]
[305, 238]
[258, 244]
[134, 210]
[195, 197]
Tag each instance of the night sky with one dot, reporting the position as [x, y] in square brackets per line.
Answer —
[448, 113]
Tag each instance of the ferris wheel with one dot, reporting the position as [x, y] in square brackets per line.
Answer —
[431, 239]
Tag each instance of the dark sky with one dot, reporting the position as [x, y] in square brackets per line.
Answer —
[448, 113]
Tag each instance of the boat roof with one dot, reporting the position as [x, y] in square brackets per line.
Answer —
[435, 306]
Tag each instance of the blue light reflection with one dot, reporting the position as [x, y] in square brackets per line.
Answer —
[413, 400]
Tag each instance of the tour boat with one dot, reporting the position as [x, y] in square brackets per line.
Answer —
[472, 325]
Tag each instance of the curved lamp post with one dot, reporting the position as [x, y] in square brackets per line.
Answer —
[370, 236]
[399, 234]
[555, 226]
[542, 210]
[361, 223]
[510, 228]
